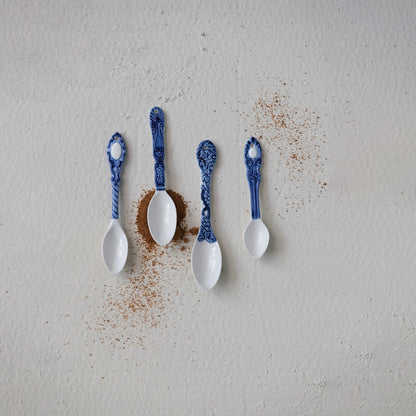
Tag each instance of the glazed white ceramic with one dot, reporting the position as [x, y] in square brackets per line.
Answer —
[115, 248]
[161, 217]
[206, 263]
[256, 238]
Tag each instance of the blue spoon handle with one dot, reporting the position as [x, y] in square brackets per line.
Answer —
[206, 154]
[253, 165]
[115, 166]
[157, 124]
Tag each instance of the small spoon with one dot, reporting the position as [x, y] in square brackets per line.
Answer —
[161, 212]
[256, 235]
[115, 247]
[206, 253]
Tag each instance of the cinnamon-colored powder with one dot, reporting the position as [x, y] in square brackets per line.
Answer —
[194, 231]
[181, 207]
[141, 219]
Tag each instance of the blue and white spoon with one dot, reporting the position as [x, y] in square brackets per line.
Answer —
[256, 235]
[115, 246]
[161, 212]
[206, 253]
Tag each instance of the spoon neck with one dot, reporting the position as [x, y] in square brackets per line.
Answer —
[205, 230]
[159, 174]
[254, 197]
[159, 156]
[114, 201]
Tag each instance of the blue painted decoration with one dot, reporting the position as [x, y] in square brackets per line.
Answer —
[252, 157]
[157, 124]
[206, 155]
[115, 166]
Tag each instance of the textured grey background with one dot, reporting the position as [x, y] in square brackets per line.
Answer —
[325, 323]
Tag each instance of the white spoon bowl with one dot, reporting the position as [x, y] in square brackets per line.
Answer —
[115, 248]
[161, 217]
[206, 263]
[256, 238]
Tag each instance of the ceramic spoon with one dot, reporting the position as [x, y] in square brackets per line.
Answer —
[256, 235]
[115, 245]
[206, 254]
[161, 212]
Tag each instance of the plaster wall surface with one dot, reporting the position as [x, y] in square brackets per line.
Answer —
[325, 322]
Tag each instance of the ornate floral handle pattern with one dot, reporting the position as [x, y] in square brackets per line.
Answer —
[157, 124]
[252, 157]
[115, 166]
[206, 155]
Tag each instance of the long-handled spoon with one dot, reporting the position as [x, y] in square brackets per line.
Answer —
[115, 245]
[161, 212]
[206, 253]
[256, 235]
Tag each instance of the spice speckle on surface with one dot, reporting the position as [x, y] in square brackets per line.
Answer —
[194, 231]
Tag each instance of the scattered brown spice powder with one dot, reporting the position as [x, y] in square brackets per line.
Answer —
[135, 305]
[295, 138]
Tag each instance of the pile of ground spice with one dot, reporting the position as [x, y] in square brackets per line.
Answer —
[295, 139]
[141, 218]
[139, 303]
